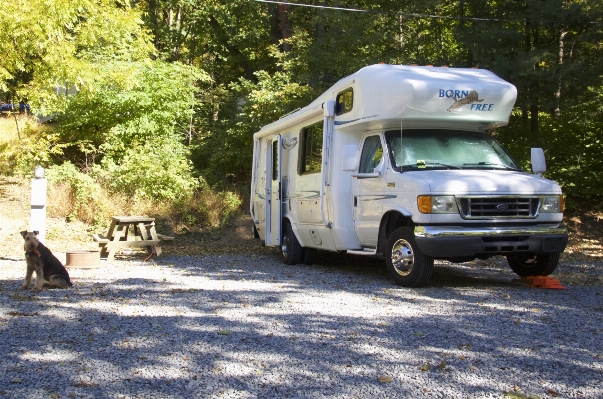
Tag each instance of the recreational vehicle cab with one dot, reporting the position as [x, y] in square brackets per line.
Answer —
[396, 161]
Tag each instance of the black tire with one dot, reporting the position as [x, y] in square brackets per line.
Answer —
[308, 256]
[291, 250]
[525, 265]
[405, 262]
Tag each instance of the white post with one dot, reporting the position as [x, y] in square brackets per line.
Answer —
[38, 203]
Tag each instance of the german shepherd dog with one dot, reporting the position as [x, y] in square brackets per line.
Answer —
[49, 270]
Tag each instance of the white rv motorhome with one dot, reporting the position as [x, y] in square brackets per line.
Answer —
[395, 161]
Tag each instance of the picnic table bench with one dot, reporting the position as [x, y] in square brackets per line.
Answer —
[143, 235]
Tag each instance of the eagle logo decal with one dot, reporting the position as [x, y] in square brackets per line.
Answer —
[471, 98]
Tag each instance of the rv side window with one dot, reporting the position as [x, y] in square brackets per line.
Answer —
[344, 101]
[372, 152]
[310, 157]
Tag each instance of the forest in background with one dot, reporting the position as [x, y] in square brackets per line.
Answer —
[170, 92]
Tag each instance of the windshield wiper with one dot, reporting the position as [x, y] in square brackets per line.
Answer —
[489, 164]
[423, 164]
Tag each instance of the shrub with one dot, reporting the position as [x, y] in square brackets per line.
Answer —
[79, 196]
[158, 169]
[23, 149]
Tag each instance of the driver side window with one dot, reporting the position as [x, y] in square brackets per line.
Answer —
[372, 152]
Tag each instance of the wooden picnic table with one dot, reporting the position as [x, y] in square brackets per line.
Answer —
[143, 235]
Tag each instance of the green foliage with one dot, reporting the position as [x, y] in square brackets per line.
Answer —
[207, 206]
[157, 169]
[85, 192]
[34, 146]
[228, 151]
[572, 143]
[45, 43]
[131, 103]
[175, 88]
[132, 133]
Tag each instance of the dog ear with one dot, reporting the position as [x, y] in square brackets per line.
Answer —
[36, 232]
[23, 233]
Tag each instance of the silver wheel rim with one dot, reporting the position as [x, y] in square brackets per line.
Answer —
[528, 262]
[403, 257]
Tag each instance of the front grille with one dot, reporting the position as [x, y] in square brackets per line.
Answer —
[499, 207]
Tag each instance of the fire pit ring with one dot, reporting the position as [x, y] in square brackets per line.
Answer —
[83, 259]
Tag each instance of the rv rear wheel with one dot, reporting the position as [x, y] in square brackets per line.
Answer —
[405, 262]
[525, 265]
[291, 250]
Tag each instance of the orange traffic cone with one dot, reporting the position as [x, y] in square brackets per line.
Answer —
[545, 282]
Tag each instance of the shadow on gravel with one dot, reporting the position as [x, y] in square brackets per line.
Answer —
[236, 328]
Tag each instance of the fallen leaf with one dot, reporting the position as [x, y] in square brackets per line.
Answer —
[516, 321]
[419, 334]
[442, 365]
[552, 393]
[425, 367]
[224, 332]
[385, 379]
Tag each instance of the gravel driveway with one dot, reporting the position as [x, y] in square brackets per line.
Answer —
[247, 326]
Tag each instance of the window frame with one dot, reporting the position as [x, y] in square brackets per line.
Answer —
[275, 154]
[302, 152]
[364, 145]
[338, 104]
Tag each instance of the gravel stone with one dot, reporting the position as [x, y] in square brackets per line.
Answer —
[247, 326]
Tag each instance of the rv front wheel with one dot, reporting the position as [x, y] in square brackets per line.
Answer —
[291, 250]
[308, 255]
[525, 265]
[405, 262]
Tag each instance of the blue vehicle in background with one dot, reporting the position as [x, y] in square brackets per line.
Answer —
[21, 108]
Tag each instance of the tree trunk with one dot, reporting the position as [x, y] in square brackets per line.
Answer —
[464, 29]
[285, 26]
[560, 79]
[319, 31]
[401, 32]
[154, 23]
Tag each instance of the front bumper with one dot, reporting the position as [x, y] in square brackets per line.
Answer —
[463, 241]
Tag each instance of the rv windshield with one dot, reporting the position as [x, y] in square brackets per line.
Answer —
[424, 149]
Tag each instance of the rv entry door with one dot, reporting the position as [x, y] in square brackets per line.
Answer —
[273, 191]
[368, 191]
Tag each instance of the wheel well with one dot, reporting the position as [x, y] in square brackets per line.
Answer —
[390, 222]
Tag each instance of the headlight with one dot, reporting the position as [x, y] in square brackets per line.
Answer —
[552, 203]
[437, 204]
